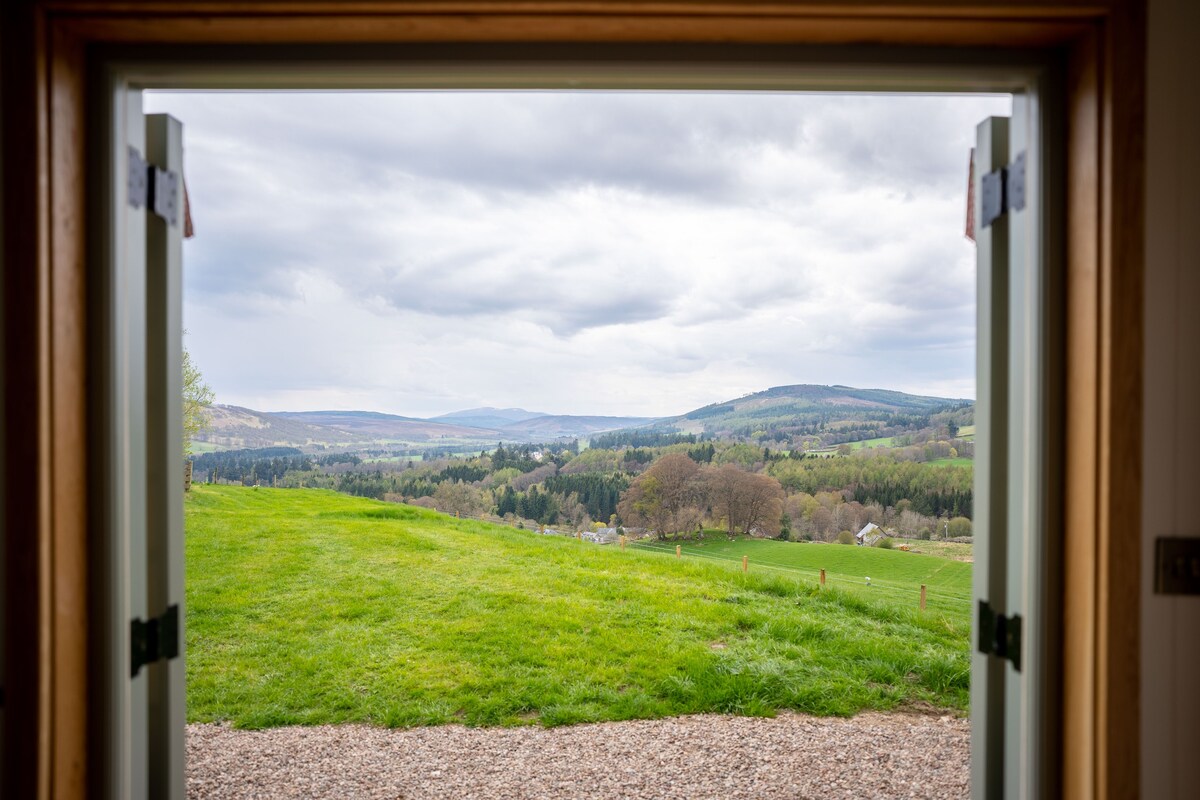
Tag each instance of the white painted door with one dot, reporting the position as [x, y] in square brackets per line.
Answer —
[137, 306]
[1014, 651]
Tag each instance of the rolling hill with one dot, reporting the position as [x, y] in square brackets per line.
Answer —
[809, 404]
[488, 417]
[556, 426]
[781, 408]
[382, 427]
[234, 427]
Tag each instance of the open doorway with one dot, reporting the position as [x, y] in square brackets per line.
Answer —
[817, 443]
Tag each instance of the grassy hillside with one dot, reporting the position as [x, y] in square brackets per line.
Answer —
[308, 607]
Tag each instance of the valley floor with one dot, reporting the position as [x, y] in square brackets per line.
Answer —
[702, 756]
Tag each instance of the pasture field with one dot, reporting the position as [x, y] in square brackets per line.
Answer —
[308, 607]
[882, 441]
[952, 462]
[958, 551]
[895, 576]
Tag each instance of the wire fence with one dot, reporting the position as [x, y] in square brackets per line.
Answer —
[937, 598]
[953, 601]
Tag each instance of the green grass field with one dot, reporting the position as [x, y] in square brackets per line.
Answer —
[309, 607]
[883, 441]
[895, 576]
[952, 462]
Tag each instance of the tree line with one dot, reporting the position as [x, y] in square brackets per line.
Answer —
[671, 489]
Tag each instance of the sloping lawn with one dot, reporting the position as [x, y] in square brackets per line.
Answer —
[310, 607]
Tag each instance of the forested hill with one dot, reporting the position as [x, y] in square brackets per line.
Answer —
[783, 413]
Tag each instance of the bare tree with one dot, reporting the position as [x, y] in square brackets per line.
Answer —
[747, 501]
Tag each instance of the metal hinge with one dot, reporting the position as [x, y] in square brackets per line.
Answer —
[1177, 566]
[1002, 190]
[999, 635]
[152, 187]
[154, 639]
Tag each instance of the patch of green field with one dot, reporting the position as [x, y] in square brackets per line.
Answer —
[896, 576]
[951, 462]
[206, 447]
[883, 441]
[966, 432]
[310, 607]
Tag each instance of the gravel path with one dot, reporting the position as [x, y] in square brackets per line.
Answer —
[707, 756]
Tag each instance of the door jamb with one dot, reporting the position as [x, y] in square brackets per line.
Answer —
[45, 50]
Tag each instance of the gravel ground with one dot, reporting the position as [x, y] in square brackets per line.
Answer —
[708, 756]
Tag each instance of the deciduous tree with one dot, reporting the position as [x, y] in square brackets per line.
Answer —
[660, 497]
[197, 396]
[748, 502]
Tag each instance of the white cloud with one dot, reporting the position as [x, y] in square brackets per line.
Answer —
[577, 253]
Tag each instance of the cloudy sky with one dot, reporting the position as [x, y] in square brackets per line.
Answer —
[577, 253]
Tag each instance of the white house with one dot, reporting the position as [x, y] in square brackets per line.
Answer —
[866, 535]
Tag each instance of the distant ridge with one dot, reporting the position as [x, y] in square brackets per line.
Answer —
[488, 417]
[800, 403]
[235, 427]
[563, 425]
[779, 406]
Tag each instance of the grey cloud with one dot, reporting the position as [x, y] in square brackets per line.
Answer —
[531, 142]
[695, 243]
[899, 141]
[553, 298]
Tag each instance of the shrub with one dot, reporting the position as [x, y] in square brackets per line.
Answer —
[845, 537]
[884, 543]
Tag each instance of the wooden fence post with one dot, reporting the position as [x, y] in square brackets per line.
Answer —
[622, 541]
[922, 597]
[679, 551]
[822, 577]
[745, 563]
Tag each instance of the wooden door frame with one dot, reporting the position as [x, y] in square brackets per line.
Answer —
[45, 51]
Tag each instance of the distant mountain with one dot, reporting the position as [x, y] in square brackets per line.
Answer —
[799, 409]
[489, 417]
[804, 404]
[235, 427]
[375, 425]
[554, 426]
[518, 424]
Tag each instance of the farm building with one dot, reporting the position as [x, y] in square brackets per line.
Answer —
[601, 536]
[868, 536]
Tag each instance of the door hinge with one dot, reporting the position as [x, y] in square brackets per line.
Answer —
[1002, 190]
[154, 639]
[155, 188]
[1177, 566]
[999, 635]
